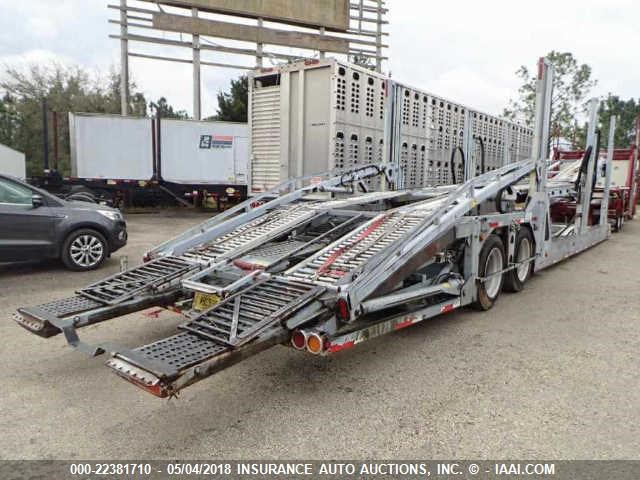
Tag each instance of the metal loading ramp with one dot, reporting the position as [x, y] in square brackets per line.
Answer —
[354, 250]
[249, 321]
[252, 233]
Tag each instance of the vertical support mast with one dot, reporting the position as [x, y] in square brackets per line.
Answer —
[583, 208]
[379, 38]
[604, 205]
[197, 97]
[540, 147]
[124, 59]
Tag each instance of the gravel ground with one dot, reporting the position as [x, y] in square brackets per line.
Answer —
[552, 372]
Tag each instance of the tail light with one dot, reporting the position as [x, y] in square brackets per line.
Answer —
[343, 309]
[299, 340]
[315, 343]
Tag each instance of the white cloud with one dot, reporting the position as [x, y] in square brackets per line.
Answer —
[467, 50]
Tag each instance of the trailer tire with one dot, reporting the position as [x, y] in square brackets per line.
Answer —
[492, 259]
[96, 246]
[525, 249]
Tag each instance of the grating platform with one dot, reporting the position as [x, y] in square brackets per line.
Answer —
[243, 316]
[181, 351]
[125, 285]
[354, 250]
[64, 307]
[251, 234]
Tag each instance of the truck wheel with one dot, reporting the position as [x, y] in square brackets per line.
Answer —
[492, 261]
[515, 279]
[84, 249]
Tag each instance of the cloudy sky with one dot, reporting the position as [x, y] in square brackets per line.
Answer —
[465, 50]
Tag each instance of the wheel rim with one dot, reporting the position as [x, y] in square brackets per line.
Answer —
[492, 266]
[524, 254]
[86, 251]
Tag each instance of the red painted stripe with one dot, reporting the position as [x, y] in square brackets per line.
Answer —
[405, 324]
[334, 348]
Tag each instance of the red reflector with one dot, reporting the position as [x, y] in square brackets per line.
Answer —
[448, 308]
[494, 224]
[343, 309]
[298, 340]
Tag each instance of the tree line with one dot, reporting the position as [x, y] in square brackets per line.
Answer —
[572, 86]
[74, 89]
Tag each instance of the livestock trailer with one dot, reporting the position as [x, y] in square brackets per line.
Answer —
[324, 115]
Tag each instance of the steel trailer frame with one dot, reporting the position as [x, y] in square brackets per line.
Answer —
[325, 264]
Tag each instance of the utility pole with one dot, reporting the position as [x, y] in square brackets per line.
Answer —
[124, 59]
[45, 134]
[197, 83]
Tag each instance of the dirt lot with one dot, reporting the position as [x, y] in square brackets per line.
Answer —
[552, 372]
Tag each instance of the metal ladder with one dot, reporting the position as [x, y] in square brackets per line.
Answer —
[242, 317]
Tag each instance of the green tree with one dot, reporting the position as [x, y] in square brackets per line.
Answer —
[571, 86]
[164, 110]
[232, 106]
[627, 112]
[66, 89]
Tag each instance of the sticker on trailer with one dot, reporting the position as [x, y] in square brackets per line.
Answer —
[216, 141]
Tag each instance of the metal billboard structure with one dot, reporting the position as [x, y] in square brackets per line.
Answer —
[353, 28]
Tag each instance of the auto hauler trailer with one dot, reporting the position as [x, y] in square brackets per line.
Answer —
[322, 115]
[323, 273]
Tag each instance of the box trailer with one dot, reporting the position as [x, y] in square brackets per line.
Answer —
[12, 162]
[323, 263]
[126, 158]
[327, 115]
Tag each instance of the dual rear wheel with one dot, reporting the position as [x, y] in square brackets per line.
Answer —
[493, 263]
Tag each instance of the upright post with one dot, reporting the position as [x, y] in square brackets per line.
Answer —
[540, 147]
[55, 140]
[197, 96]
[124, 59]
[584, 207]
[604, 205]
[322, 33]
[379, 38]
[260, 46]
[45, 134]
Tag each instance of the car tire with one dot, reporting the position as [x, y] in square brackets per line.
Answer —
[84, 249]
[525, 249]
[492, 260]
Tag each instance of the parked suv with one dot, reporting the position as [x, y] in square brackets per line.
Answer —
[35, 225]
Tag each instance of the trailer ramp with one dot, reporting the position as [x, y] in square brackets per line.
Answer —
[138, 288]
[240, 326]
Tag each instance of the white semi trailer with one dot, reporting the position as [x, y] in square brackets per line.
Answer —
[124, 157]
[326, 115]
[12, 162]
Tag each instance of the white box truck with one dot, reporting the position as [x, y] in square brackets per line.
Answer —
[12, 162]
[124, 158]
